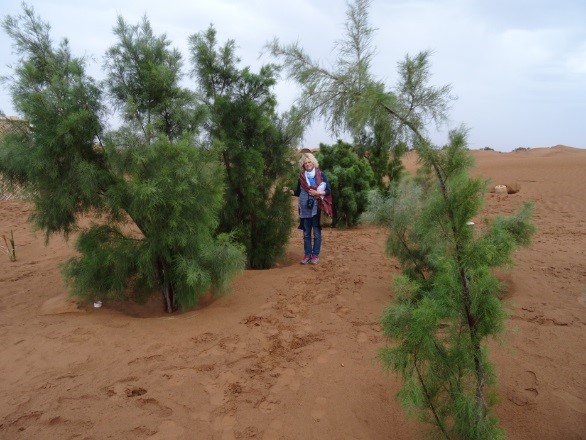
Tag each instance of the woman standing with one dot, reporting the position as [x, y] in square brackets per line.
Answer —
[313, 191]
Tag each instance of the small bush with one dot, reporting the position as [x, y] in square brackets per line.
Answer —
[350, 178]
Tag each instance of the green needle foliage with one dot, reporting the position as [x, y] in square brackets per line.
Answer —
[350, 180]
[446, 301]
[55, 158]
[256, 148]
[172, 191]
[351, 100]
[158, 191]
[446, 298]
[384, 159]
[143, 81]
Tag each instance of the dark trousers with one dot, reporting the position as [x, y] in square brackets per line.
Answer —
[310, 225]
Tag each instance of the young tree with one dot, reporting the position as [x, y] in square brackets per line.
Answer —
[55, 157]
[256, 147]
[158, 192]
[350, 179]
[446, 304]
[446, 300]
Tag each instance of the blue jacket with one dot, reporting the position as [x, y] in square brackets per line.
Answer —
[304, 211]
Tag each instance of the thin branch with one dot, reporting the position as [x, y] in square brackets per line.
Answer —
[430, 401]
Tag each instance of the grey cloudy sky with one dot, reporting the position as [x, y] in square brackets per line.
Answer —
[517, 67]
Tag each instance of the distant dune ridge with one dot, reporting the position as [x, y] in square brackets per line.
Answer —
[288, 354]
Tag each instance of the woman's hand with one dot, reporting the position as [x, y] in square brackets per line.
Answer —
[315, 192]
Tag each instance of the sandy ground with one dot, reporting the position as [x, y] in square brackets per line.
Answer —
[290, 352]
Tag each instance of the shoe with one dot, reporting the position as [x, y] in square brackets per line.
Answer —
[314, 259]
[305, 260]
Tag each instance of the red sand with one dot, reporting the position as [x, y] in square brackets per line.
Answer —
[289, 355]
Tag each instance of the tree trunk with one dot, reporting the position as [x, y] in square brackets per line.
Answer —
[467, 300]
[167, 287]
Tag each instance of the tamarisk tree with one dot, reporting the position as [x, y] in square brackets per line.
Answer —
[349, 99]
[446, 303]
[156, 191]
[256, 147]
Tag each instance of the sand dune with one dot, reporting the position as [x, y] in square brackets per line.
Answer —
[289, 354]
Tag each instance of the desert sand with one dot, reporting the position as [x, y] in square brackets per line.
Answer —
[290, 352]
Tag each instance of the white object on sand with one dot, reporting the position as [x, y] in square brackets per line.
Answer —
[501, 189]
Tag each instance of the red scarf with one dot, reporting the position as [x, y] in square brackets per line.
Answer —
[324, 203]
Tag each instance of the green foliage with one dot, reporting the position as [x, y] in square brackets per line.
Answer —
[446, 300]
[350, 180]
[55, 159]
[143, 81]
[348, 97]
[256, 148]
[159, 192]
[342, 97]
[174, 192]
[106, 263]
[384, 159]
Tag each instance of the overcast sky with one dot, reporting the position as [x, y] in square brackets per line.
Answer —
[517, 67]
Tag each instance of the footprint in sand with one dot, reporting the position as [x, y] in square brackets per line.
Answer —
[287, 380]
[526, 390]
[342, 311]
[153, 406]
[215, 394]
[204, 337]
[135, 391]
[124, 388]
[147, 359]
[268, 405]
[216, 387]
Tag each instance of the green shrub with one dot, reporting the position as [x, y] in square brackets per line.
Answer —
[351, 179]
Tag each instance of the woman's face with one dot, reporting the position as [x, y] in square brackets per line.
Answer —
[307, 164]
